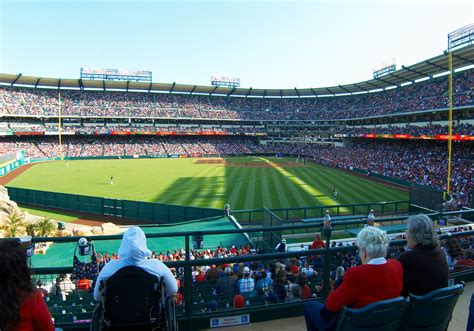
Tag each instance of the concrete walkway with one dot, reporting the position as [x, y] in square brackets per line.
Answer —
[458, 323]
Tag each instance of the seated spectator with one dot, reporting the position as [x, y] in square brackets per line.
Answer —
[246, 285]
[225, 286]
[453, 251]
[22, 307]
[294, 292]
[424, 263]
[41, 289]
[264, 284]
[339, 277]
[376, 279]
[134, 252]
[308, 270]
[317, 243]
[305, 290]
[279, 285]
[65, 284]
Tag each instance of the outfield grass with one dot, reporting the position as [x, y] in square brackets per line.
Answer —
[65, 217]
[183, 182]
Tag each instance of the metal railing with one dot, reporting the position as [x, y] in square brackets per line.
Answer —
[192, 318]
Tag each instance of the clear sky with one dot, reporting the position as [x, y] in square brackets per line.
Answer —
[268, 44]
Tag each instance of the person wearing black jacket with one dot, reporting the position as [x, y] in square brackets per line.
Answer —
[424, 263]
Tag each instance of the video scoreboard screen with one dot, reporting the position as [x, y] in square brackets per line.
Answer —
[225, 81]
[116, 74]
[461, 37]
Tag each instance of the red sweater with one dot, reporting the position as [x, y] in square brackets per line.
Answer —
[367, 283]
[34, 314]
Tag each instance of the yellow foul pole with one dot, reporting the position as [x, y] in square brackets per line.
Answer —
[450, 125]
[59, 126]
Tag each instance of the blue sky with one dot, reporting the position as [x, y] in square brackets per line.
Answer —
[268, 44]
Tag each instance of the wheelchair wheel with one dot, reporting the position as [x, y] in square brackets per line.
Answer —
[171, 323]
[97, 318]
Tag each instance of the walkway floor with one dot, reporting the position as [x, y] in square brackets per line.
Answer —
[458, 323]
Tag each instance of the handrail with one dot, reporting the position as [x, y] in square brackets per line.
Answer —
[316, 224]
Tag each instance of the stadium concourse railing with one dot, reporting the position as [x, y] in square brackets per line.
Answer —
[197, 313]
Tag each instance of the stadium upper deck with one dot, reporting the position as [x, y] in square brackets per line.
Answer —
[399, 92]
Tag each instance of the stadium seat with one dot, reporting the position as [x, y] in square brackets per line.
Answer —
[134, 299]
[55, 300]
[55, 310]
[257, 301]
[386, 315]
[83, 316]
[74, 309]
[63, 318]
[432, 311]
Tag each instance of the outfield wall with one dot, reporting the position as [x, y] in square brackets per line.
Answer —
[134, 210]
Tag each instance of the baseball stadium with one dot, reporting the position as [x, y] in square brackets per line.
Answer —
[255, 200]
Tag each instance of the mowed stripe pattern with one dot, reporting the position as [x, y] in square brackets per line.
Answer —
[183, 182]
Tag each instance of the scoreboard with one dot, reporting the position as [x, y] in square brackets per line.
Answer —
[116, 74]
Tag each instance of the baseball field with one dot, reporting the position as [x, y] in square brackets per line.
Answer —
[243, 182]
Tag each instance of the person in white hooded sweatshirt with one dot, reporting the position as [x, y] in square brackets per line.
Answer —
[134, 252]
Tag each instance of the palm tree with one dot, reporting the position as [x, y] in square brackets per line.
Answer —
[31, 229]
[12, 226]
[45, 227]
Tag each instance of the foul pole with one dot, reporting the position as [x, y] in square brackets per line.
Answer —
[450, 118]
[59, 127]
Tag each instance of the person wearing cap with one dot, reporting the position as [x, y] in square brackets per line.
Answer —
[371, 218]
[246, 285]
[225, 286]
[134, 252]
[281, 246]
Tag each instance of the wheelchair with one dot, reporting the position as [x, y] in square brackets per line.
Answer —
[133, 299]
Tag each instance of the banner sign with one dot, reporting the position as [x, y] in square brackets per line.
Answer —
[219, 322]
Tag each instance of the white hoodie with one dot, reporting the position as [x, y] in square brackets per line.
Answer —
[133, 251]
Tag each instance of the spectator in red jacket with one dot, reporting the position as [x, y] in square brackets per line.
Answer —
[22, 307]
[376, 279]
[317, 243]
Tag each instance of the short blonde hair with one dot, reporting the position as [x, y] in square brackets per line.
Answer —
[374, 241]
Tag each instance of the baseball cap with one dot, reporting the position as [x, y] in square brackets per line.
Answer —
[283, 241]
[246, 270]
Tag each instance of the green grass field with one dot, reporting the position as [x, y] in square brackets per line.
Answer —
[183, 182]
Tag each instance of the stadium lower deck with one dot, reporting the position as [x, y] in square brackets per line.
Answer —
[61, 254]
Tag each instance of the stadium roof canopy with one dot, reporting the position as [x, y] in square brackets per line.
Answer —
[461, 58]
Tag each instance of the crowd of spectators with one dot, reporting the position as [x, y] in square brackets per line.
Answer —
[237, 284]
[420, 162]
[426, 95]
[413, 130]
